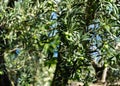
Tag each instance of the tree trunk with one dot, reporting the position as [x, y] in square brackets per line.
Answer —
[61, 74]
[63, 70]
[104, 75]
[4, 79]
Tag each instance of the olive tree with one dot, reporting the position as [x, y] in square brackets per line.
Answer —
[23, 35]
[83, 33]
[88, 31]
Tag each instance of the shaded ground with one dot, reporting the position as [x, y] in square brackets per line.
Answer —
[94, 84]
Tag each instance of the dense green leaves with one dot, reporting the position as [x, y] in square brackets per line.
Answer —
[83, 30]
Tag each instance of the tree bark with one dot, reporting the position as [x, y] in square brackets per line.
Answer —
[63, 70]
[104, 75]
[62, 73]
[4, 79]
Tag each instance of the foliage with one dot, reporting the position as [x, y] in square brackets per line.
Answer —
[86, 30]
[25, 34]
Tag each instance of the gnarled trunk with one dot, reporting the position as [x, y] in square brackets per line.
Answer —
[4, 79]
